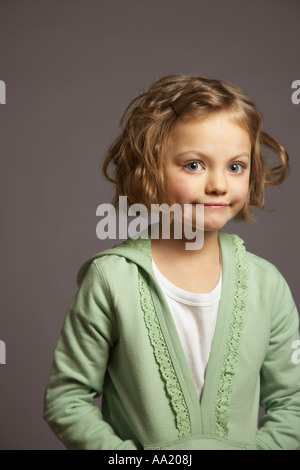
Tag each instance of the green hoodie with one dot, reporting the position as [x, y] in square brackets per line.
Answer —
[119, 341]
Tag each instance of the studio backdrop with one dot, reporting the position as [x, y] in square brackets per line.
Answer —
[68, 69]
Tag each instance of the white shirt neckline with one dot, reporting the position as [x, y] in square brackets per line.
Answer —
[184, 296]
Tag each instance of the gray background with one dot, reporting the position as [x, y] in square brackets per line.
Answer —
[70, 68]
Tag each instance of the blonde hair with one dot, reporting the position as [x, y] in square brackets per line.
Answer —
[137, 154]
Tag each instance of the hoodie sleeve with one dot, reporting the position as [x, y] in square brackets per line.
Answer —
[78, 370]
[280, 377]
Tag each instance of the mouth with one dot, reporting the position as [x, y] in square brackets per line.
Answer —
[216, 205]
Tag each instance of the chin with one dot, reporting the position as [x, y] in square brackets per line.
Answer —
[212, 228]
[213, 225]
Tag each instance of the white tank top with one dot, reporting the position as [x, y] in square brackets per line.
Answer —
[195, 318]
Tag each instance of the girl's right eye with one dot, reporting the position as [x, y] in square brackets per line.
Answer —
[194, 166]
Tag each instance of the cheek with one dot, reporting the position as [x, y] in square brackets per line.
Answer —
[182, 195]
[241, 191]
[178, 189]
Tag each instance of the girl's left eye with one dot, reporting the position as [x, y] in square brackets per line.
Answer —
[194, 166]
[236, 168]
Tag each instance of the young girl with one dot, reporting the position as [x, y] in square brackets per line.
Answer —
[182, 345]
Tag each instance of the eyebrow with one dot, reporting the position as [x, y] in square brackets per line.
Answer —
[201, 154]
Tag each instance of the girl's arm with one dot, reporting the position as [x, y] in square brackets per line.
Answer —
[280, 377]
[78, 371]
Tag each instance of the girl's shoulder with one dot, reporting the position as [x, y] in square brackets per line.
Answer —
[119, 260]
[261, 278]
[261, 264]
[238, 246]
[266, 275]
[258, 267]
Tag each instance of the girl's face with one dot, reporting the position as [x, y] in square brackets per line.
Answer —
[209, 163]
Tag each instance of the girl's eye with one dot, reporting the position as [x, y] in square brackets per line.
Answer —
[236, 168]
[194, 166]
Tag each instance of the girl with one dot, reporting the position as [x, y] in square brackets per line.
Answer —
[183, 345]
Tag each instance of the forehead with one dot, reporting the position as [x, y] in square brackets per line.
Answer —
[214, 134]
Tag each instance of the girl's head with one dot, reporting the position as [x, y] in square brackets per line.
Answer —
[140, 152]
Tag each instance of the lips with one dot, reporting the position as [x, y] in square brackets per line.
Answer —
[216, 204]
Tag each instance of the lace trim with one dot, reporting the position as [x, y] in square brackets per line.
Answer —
[163, 359]
[234, 338]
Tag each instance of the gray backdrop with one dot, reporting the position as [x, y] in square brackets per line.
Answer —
[70, 68]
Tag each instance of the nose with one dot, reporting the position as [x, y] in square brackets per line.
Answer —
[216, 183]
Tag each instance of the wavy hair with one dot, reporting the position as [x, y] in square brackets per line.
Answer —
[135, 160]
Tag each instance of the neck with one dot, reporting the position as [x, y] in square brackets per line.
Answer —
[177, 247]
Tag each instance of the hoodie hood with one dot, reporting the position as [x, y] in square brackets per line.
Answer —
[135, 250]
